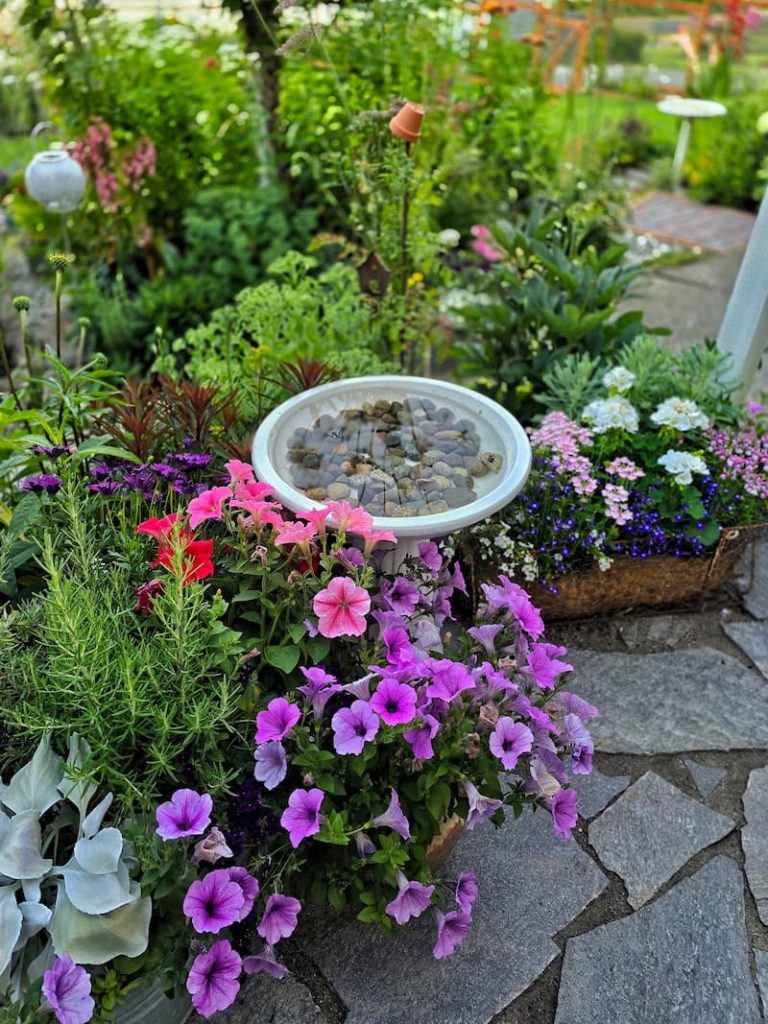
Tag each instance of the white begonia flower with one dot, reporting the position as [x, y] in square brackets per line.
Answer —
[449, 237]
[681, 465]
[680, 413]
[614, 413]
[619, 379]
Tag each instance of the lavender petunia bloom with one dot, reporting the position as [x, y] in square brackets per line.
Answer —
[421, 737]
[486, 636]
[466, 890]
[516, 604]
[277, 721]
[187, 813]
[430, 556]
[397, 644]
[412, 899]
[212, 847]
[400, 596]
[481, 808]
[542, 783]
[578, 706]
[271, 763]
[509, 740]
[214, 902]
[301, 818]
[541, 720]
[264, 963]
[353, 727]
[365, 845]
[67, 988]
[452, 929]
[544, 665]
[280, 918]
[360, 688]
[319, 688]
[350, 558]
[582, 747]
[47, 482]
[449, 679]
[249, 886]
[394, 702]
[426, 635]
[564, 814]
[394, 818]
[213, 979]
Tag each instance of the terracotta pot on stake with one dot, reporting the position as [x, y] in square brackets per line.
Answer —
[406, 125]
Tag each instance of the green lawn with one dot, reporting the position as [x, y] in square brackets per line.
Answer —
[16, 152]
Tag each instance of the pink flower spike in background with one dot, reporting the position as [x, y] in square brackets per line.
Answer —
[301, 818]
[482, 246]
[209, 505]
[67, 988]
[213, 979]
[277, 721]
[341, 608]
[280, 918]
[187, 813]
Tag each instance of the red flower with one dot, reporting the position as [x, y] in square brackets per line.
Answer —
[196, 556]
[160, 529]
[146, 594]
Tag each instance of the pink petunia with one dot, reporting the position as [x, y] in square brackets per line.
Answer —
[348, 519]
[239, 472]
[374, 537]
[299, 535]
[209, 505]
[341, 608]
[394, 702]
[277, 721]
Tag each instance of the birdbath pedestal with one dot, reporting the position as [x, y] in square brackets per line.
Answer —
[688, 110]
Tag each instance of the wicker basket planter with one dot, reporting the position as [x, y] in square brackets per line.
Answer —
[631, 582]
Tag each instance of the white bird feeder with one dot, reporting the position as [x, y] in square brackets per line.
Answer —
[55, 180]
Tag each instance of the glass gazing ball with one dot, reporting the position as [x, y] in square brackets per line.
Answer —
[55, 180]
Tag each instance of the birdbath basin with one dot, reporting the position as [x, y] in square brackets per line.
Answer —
[422, 456]
[688, 110]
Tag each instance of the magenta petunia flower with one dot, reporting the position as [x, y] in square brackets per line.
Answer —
[449, 679]
[249, 887]
[208, 505]
[280, 917]
[353, 727]
[421, 737]
[582, 747]
[299, 535]
[187, 813]
[214, 902]
[400, 596]
[466, 890]
[341, 608]
[486, 636]
[264, 963]
[412, 899]
[452, 929]
[394, 702]
[430, 556]
[562, 806]
[277, 721]
[67, 988]
[212, 847]
[319, 688]
[348, 519]
[543, 663]
[213, 979]
[239, 472]
[271, 763]
[301, 818]
[509, 740]
[481, 808]
[394, 818]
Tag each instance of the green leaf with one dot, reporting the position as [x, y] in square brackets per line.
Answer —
[297, 631]
[336, 897]
[438, 799]
[331, 784]
[318, 648]
[246, 595]
[369, 915]
[26, 514]
[332, 830]
[284, 658]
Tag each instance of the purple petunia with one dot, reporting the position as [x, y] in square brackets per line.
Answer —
[400, 596]
[509, 740]
[452, 929]
[271, 763]
[277, 721]
[412, 899]
[319, 688]
[578, 706]
[486, 636]
[449, 679]
[421, 737]
[187, 813]
[249, 887]
[544, 665]
[466, 890]
[67, 987]
[213, 979]
[582, 747]
[353, 727]
[214, 902]
[47, 482]
[279, 919]
[429, 556]
[481, 808]
[394, 702]
[394, 818]
[365, 845]
[264, 963]
[562, 806]
[301, 818]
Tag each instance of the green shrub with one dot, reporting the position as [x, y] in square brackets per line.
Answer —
[626, 45]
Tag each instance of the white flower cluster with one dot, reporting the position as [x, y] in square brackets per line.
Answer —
[680, 413]
[681, 465]
[614, 413]
[619, 379]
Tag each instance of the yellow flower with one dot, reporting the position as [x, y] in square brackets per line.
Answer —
[415, 279]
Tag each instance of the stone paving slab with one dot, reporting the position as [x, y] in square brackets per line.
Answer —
[761, 973]
[752, 638]
[683, 221]
[264, 1000]
[597, 790]
[756, 599]
[531, 886]
[754, 838]
[705, 777]
[681, 960]
[672, 702]
[651, 831]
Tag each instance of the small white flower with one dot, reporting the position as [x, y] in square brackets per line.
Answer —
[604, 563]
[681, 465]
[680, 413]
[450, 238]
[614, 413]
[619, 379]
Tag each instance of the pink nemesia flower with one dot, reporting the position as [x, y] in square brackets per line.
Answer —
[341, 608]
[277, 721]
[209, 505]
[481, 244]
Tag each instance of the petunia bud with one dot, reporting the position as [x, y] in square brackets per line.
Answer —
[212, 847]
[489, 716]
[365, 845]
[308, 780]
[472, 746]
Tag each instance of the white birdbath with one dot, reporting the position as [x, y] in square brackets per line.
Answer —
[688, 110]
[499, 437]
